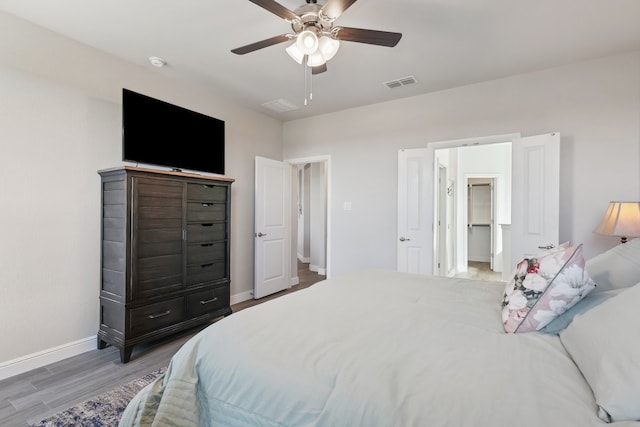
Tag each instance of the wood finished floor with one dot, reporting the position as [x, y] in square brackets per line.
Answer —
[480, 271]
[37, 394]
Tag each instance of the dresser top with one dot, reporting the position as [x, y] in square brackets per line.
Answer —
[166, 172]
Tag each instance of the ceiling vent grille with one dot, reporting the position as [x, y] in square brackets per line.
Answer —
[280, 106]
[392, 84]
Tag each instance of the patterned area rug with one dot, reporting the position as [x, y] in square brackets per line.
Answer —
[103, 410]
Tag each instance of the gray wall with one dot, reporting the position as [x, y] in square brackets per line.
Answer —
[60, 123]
[594, 105]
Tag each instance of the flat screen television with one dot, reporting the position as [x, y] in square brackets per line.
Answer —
[158, 133]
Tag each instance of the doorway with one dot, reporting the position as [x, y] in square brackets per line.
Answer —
[469, 207]
[309, 219]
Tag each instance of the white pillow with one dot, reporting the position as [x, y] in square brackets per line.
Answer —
[619, 267]
[604, 343]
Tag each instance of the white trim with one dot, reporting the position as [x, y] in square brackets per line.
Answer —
[294, 281]
[304, 259]
[321, 271]
[45, 357]
[244, 296]
[318, 159]
[483, 140]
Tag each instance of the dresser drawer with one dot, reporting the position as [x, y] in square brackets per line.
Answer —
[206, 232]
[206, 272]
[207, 192]
[206, 211]
[207, 301]
[155, 316]
[206, 252]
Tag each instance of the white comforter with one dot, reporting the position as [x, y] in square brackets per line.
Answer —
[370, 349]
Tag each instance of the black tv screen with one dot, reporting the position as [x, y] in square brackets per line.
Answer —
[158, 133]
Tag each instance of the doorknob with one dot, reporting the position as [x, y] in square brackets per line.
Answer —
[259, 234]
[402, 239]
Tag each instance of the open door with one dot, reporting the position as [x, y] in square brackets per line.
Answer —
[272, 223]
[534, 204]
[535, 199]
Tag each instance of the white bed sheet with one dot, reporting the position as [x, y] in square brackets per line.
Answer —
[376, 348]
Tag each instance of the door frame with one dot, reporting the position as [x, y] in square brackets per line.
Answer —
[294, 232]
[455, 143]
[441, 220]
[496, 233]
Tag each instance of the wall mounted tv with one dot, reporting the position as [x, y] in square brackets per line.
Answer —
[162, 134]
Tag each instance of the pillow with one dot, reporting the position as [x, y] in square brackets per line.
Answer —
[544, 287]
[619, 267]
[592, 300]
[605, 345]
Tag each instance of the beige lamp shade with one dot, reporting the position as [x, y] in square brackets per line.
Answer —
[622, 219]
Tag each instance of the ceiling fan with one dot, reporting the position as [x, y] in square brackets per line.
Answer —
[316, 39]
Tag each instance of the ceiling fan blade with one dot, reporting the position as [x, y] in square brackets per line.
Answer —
[276, 8]
[261, 44]
[360, 35]
[334, 8]
[319, 69]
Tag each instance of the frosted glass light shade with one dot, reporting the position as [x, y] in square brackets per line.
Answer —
[622, 219]
[315, 59]
[307, 42]
[328, 46]
[295, 53]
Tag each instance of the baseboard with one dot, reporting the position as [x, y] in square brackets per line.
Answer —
[45, 357]
[304, 260]
[294, 281]
[243, 296]
[320, 270]
[479, 258]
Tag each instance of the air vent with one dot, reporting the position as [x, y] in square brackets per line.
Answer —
[392, 84]
[280, 106]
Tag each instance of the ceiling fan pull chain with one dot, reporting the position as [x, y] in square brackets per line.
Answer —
[310, 84]
[304, 67]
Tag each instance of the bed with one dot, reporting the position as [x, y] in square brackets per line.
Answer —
[382, 348]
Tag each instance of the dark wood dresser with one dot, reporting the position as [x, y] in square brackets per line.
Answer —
[165, 254]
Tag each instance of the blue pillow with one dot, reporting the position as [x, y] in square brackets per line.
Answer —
[593, 299]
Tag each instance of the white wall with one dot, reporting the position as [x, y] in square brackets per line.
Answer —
[594, 105]
[318, 221]
[60, 122]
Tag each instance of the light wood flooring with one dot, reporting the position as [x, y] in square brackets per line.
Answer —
[42, 392]
[480, 271]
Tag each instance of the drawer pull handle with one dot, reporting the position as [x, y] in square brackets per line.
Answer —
[206, 205]
[204, 302]
[206, 265]
[204, 245]
[155, 316]
[207, 225]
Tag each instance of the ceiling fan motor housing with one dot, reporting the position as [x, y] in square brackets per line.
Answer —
[311, 18]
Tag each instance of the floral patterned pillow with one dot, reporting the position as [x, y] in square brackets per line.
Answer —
[543, 287]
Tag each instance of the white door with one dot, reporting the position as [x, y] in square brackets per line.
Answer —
[535, 199]
[272, 222]
[415, 211]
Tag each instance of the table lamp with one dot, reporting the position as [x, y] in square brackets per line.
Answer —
[622, 219]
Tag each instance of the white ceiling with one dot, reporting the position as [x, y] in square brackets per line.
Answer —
[445, 43]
